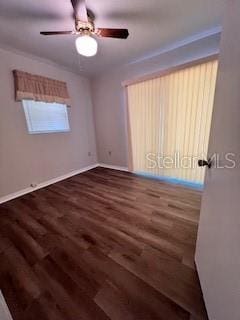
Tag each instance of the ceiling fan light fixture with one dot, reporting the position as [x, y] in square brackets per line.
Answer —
[86, 46]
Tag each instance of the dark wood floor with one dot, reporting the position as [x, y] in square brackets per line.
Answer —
[101, 245]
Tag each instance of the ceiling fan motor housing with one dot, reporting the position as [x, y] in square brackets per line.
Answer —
[84, 27]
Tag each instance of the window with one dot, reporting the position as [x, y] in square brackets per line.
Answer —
[43, 117]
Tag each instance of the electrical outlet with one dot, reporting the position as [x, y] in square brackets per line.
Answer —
[109, 153]
[89, 154]
[33, 185]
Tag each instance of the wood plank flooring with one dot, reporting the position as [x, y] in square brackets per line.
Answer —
[101, 245]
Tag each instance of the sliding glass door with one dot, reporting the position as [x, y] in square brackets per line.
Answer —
[169, 122]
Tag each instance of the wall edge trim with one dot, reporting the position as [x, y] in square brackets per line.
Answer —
[113, 167]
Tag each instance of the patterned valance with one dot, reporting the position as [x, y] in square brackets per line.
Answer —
[34, 87]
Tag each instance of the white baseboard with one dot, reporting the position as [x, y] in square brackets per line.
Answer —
[45, 184]
[109, 166]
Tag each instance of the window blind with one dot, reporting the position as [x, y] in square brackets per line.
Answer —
[169, 120]
[43, 117]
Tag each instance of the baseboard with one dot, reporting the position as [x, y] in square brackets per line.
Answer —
[109, 166]
[45, 184]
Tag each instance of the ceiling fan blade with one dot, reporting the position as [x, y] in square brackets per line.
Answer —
[112, 33]
[80, 10]
[52, 33]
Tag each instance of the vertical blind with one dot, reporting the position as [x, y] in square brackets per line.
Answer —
[169, 122]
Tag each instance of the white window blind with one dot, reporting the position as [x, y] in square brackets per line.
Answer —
[43, 117]
[170, 120]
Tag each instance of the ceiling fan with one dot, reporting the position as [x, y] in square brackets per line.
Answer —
[84, 26]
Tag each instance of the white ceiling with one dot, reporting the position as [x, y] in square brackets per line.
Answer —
[153, 25]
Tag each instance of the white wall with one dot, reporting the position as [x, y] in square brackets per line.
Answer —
[26, 159]
[108, 96]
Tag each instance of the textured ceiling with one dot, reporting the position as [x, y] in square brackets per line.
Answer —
[153, 25]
